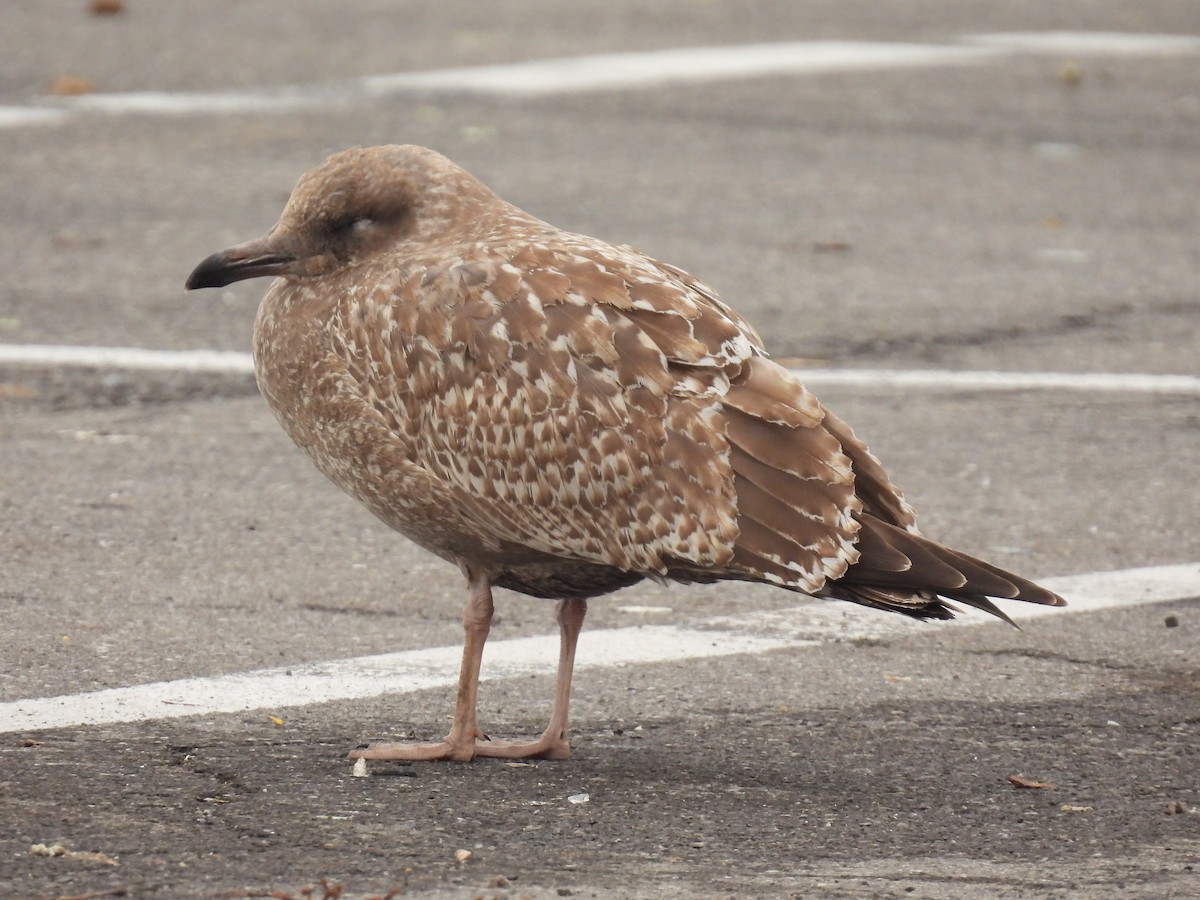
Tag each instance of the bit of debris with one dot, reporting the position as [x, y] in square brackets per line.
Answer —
[276, 720]
[30, 742]
[1022, 782]
[1070, 74]
[11, 391]
[360, 769]
[1070, 807]
[1176, 808]
[831, 247]
[71, 86]
[1171, 621]
[579, 798]
[57, 849]
[462, 856]
[498, 881]
[106, 7]
[521, 765]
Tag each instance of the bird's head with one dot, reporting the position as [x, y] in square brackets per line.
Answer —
[355, 205]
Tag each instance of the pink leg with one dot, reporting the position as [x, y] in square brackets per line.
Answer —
[465, 741]
[553, 744]
[460, 742]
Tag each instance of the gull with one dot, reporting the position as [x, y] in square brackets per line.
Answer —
[560, 416]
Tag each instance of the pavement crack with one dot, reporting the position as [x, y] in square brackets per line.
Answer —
[925, 344]
[351, 610]
[1029, 653]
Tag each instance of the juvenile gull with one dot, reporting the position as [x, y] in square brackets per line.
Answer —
[560, 416]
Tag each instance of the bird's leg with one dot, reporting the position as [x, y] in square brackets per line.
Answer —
[460, 743]
[553, 744]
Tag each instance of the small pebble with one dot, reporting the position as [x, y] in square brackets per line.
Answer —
[1171, 621]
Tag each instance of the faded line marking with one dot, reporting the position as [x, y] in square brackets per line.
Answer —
[805, 625]
[227, 361]
[1089, 43]
[614, 71]
[370, 676]
[618, 71]
[1131, 382]
[13, 116]
[231, 362]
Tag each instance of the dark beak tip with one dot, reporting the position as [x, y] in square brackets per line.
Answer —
[209, 273]
[238, 264]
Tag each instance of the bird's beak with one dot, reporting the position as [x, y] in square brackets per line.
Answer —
[252, 259]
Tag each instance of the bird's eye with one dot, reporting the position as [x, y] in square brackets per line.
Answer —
[350, 225]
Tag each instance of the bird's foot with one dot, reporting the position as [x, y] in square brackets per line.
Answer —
[544, 747]
[464, 751]
[400, 752]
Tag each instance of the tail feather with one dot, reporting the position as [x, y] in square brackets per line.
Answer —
[922, 590]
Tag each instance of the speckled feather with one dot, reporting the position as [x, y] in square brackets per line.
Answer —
[565, 414]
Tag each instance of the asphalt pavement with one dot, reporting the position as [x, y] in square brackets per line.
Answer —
[1032, 210]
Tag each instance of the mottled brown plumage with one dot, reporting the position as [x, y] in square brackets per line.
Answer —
[559, 415]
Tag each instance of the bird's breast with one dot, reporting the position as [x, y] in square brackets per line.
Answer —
[328, 413]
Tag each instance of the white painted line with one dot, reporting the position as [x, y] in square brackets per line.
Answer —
[620, 71]
[610, 71]
[369, 676]
[615, 71]
[12, 116]
[937, 379]
[1089, 43]
[806, 624]
[226, 361]
[126, 358]
[230, 102]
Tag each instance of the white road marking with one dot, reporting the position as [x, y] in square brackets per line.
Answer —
[620, 71]
[369, 676]
[1089, 43]
[12, 116]
[936, 379]
[232, 362]
[218, 102]
[218, 361]
[807, 624]
[614, 71]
